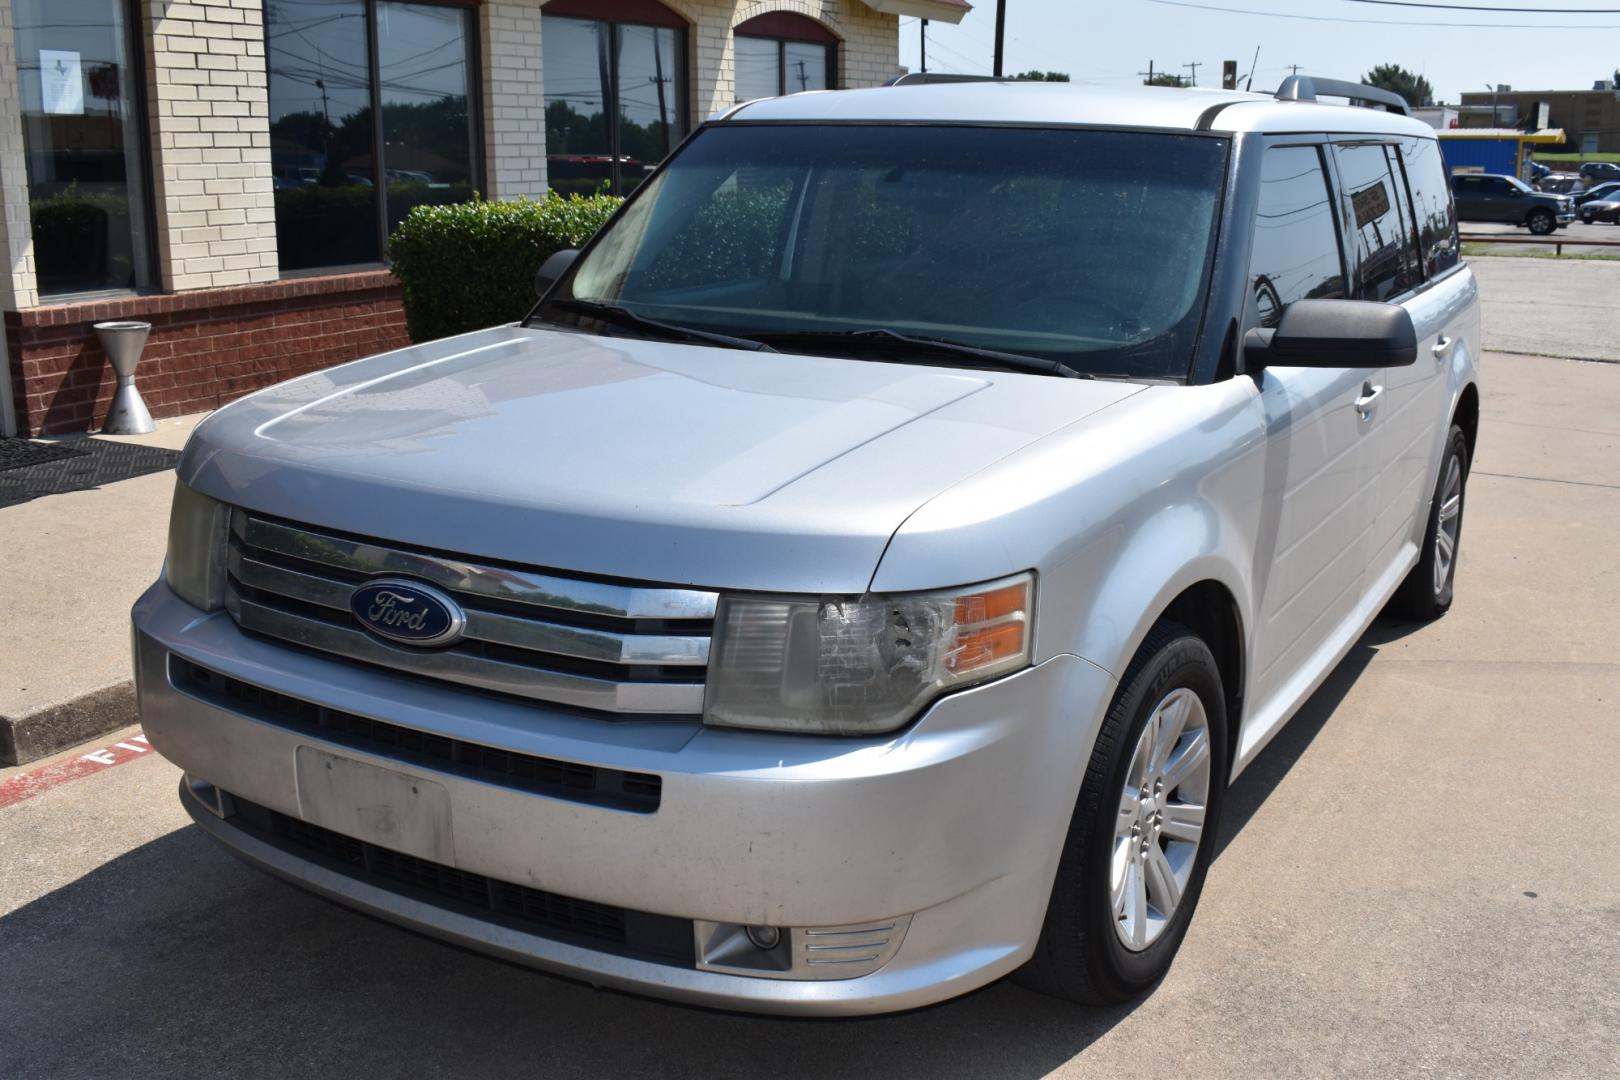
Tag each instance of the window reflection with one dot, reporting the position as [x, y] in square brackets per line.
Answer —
[1381, 221]
[767, 66]
[321, 143]
[425, 87]
[324, 141]
[758, 68]
[783, 54]
[1431, 196]
[804, 66]
[615, 98]
[81, 135]
[1296, 241]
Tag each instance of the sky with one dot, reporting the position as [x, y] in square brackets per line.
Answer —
[1109, 42]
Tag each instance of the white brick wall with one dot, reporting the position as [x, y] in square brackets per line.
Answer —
[514, 110]
[209, 110]
[17, 282]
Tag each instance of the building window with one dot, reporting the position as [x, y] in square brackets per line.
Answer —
[615, 91]
[783, 53]
[342, 180]
[82, 134]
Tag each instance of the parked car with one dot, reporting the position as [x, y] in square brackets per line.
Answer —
[1561, 184]
[1509, 200]
[862, 573]
[1597, 171]
[1606, 190]
[1607, 210]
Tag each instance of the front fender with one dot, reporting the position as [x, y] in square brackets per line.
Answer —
[1117, 515]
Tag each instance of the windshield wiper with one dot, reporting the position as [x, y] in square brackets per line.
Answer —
[623, 316]
[905, 347]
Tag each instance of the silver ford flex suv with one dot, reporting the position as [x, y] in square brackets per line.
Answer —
[863, 572]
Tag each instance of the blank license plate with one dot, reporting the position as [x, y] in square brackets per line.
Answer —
[380, 806]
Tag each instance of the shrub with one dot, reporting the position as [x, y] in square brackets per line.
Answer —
[471, 265]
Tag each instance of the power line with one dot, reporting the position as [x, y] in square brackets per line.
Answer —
[1389, 22]
[1483, 7]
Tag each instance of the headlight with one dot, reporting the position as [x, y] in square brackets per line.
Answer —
[861, 666]
[195, 567]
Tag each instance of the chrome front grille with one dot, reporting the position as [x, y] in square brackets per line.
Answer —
[580, 643]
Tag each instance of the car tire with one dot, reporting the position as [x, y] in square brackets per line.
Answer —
[1541, 222]
[1086, 952]
[1428, 590]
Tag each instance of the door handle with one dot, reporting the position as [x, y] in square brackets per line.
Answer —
[1442, 346]
[1369, 397]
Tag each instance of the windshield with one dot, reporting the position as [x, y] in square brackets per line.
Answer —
[1090, 248]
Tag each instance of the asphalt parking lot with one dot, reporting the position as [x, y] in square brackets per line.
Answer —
[1420, 876]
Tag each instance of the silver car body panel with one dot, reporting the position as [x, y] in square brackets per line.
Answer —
[519, 462]
[956, 821]
[796, 491]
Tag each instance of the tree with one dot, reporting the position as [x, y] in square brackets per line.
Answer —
[1414, 88]
[1165, 78]
[1042, 76]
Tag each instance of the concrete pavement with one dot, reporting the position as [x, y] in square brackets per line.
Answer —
[1552, 307]
[1420, 876]
[73, 565]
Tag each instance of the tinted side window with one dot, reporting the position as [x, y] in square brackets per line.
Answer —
[1385, 245]
[1431, 205]
[1296, 238]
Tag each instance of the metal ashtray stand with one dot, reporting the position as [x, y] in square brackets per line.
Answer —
[123, 341]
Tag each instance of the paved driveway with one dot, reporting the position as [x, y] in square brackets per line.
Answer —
[1421, 876]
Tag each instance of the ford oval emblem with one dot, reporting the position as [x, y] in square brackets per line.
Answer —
[408, 612]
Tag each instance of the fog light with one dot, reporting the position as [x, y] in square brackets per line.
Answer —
[764, 937]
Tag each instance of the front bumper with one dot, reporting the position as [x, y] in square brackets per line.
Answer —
[955, 824]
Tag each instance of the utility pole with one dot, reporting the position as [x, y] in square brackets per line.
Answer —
[1293, 69]
[1147, 76]
[1194, 68]
[922, 44]
[1001, 33]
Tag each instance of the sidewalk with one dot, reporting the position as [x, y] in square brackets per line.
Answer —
[70, 567]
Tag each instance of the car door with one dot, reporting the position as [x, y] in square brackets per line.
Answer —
[1505, 203]
[1466, 192]
[1404, 252]
[1312, 542]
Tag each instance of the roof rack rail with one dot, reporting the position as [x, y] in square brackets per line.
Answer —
[1306, 87]
[923, 78]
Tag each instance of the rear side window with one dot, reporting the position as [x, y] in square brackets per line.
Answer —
[1296, 237]
[1431, 205]
[1380, 221]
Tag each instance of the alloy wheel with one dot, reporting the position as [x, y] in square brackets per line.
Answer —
[1161, 819]
[1449, 525]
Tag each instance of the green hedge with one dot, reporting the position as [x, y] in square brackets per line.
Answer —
[471, 265]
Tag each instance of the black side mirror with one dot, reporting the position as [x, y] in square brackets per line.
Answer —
[553, 268]
[1334, 334]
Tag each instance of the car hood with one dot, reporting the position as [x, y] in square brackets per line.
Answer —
[647, 460]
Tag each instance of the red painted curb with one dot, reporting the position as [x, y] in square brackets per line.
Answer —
[29, 784]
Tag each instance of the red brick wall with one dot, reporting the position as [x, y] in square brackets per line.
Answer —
[207, 347]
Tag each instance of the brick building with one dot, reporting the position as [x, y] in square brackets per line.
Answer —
[1590, 118]
[229, 170]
